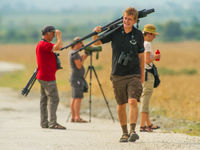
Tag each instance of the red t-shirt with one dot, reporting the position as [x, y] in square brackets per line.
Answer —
[46, 61]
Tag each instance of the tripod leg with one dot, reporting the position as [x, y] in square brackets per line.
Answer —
[69, 115]
[87, 71]
[28, 90]
[103, 94]
[90, 91]
[28, 86]
[90, 96]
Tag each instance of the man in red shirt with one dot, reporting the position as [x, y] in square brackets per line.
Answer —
[47, 67]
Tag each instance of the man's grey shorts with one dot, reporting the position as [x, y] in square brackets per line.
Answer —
[77, 88]
[126, 87]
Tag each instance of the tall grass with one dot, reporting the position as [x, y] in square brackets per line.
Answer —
[179, 92]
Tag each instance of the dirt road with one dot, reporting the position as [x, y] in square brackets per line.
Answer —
[20, 130]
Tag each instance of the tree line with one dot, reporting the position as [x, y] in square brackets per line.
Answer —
[169, 31]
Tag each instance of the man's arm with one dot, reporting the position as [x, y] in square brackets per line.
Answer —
[97, 29]
[79, 62]
[59, 42]
[141, 59]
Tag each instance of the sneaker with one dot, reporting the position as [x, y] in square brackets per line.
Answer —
[133, 136]
[124, 138]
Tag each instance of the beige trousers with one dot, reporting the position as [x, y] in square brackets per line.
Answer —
[147, 92]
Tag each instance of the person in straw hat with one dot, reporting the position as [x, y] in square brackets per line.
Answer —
[149, 33]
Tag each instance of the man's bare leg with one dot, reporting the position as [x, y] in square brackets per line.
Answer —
[121, 111]
[77, 106]
[133, 116]
[72, 109]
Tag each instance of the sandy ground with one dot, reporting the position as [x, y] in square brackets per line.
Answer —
[6, 67]
[20, 130]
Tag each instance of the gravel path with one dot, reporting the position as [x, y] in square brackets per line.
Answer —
[20, 130]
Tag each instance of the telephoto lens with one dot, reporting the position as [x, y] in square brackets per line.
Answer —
[93, 49]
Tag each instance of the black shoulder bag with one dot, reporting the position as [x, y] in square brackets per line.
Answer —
[85, 86]
[154, 71]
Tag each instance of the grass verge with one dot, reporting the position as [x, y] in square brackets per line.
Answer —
[14, 79]
[192, 129]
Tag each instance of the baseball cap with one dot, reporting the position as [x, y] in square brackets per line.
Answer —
[48, 29]
[150, 29]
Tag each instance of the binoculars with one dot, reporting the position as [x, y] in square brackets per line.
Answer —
[124, 58]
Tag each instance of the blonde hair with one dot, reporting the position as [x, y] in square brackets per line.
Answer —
[131, 12]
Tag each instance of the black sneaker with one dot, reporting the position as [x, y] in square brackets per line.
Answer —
[133, 136]
[124, 138]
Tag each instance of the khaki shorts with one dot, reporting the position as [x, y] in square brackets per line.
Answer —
[126, 87]
[147, 92]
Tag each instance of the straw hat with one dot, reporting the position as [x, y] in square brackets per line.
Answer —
[150, 29]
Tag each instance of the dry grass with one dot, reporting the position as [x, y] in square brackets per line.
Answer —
[179, 95]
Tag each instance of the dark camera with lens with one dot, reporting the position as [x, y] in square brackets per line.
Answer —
[58, 61]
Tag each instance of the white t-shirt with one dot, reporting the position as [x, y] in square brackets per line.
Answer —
[147, 47]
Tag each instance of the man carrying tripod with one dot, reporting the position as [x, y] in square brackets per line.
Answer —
[127, 70]
[47, 67]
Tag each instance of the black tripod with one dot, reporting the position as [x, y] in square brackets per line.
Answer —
[91, 68]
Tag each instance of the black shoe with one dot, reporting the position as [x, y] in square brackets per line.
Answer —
[145, 129]
[57, 126]
[124, 138]
[154, 127]
[45, 126]
[133, 137]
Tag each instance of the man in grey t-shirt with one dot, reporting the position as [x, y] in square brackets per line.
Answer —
[77, 81]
